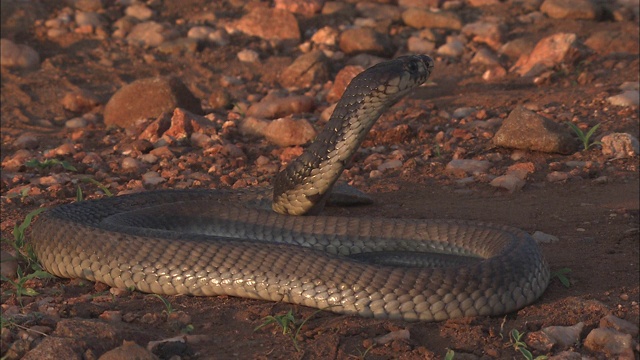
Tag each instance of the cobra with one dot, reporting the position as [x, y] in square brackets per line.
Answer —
[253, 244]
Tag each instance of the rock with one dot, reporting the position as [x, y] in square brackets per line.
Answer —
[220, 99]
[610, 342]
[421, 18]
[485, 56]
[566, 355]
[564, 336]
[619, 145]
[419, 45]
[80, 101]
[550, 51]
[366, 40]
[139, 11]
[462, 112]
[343, 78]
[303, 7]
[479, 3]
[619, 325]
[485, 32]
[526, 130]
[544, 238]
[247, 55]
[183, 124]
[26, 141]
[128, 351]
[73, 338]
[152, 178]
[130, 164]
[571, 9]
[627, 98]
[378, 11]
[494, 73]
[209, 34]
[18, 56]
[272, 107]
[251, 126]
[326, 36]
[452, 48]
[9, 266]
[557, 176]
[148, 98]
[307, 70]
[517, 47]
[88, 18]
[75, 123]
[288, 132]
[88, 5]
[468, 166]
[179, 46]
[270, 24]
[151, 33]
[610, 42]
[510, 182]
[390, 164]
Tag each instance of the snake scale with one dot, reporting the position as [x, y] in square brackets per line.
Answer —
[213, 242]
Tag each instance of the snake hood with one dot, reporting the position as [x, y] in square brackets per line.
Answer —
[303, 187]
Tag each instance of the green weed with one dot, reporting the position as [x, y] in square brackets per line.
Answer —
[35, 163]
[561, 274]
[20, 284]
[449, 355]
[168, 308]
[289, 325]
[520, 345]
[586, 139]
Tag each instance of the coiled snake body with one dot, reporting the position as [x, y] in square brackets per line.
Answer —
[211, 242]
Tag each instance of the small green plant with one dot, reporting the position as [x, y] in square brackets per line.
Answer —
[23, 251]
[449, 355]
[520, 345]
[168, 309]
[363, 354]
[98, 184]
[35, 163]
[24, 192]
[585, 138]
[561, 275]
[288, 324]
[20, 284]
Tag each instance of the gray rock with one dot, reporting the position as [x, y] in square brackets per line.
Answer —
[619, 145]
[609, 42]
[510, 182]
[421, 18]
[517, 47]
[366, 40]
[139, 11]
[420, 46]
[468, 166]
[627, 98]
[485, 56]
[130, 164]
[564, 336]
[307, 70]
[152, 178]
[247, 55]
[549, 52]
[523, 129]
[26, 141]
[452, 48]
[9, 266]
[151, 33]
[557, 176]
[390, 164]
[148, 98]
[485, 32]
[76, 123]
[620, 325]
[270, 24]
[462, 112]
[378, 11]
[544, 238]
[272, 107]
[128, 351]
[88, 18]
[288, 132]
[18, 56]
[571, 9]
[611, 342]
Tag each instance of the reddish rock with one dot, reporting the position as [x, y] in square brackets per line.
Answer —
[270, 24]
[307, 70]
[342, 80]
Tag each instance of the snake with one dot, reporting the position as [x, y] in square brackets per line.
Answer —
[277, 244]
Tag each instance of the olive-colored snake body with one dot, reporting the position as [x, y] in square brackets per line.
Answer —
[213, 242]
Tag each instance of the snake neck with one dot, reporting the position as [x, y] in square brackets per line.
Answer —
[305, 184]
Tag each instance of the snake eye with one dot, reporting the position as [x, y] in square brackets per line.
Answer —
[412, 66]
